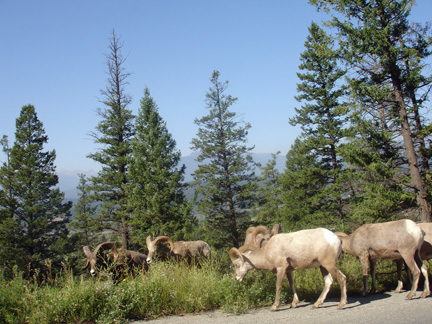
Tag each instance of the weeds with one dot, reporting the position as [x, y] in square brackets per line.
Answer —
[167, 288]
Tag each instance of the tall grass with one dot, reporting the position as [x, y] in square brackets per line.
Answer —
[166, 289]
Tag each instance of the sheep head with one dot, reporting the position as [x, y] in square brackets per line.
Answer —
[240, 261]
[152, 245]
[97, 257]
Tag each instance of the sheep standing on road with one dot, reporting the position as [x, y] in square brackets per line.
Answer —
[287, 252]
[397, 240]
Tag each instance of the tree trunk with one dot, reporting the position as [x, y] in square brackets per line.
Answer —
[417, 182]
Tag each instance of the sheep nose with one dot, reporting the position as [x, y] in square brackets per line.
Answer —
[238, 278]
[149, 260]
[92, 272]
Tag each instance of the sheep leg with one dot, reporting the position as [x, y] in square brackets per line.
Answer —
[328, 280]
[280, 274]
[364, 260]
[373, 275]
[290, 275]
[340, 277]
[399, 265]
[412, 265]
[423, 269]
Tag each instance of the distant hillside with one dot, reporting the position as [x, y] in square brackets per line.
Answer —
[68, 180]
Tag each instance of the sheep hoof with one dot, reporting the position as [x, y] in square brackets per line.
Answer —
[274, 308]
[410, 295]
[425, 294]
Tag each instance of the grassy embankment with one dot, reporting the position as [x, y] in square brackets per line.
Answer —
[166, 289]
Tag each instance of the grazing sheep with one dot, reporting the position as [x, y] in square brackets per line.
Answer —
[99, 258]
[396, 240]
[262, 238]
[287, 252]
[187, 250]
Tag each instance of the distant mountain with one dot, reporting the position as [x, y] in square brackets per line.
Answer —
[68, 180]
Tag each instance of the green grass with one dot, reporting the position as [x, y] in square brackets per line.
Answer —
[166, 289]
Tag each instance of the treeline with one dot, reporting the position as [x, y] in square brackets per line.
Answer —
[363, 154]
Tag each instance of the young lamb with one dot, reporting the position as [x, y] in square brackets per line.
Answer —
[396, 240]
[187, 250]
[287, 252]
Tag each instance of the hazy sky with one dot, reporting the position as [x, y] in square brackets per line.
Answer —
[53, 56]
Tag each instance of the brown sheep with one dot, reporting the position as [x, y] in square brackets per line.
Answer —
[396, 240]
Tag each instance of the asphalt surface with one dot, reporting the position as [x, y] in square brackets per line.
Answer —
[389, 307]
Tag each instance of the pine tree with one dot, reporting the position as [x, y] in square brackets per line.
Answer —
[84, 220]
[114, 133]
[268, 194]
[323, 119]
[156, 190]
[377, 30]
[30, 203]
[225, 179]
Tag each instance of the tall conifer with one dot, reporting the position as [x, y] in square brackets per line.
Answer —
[225, 179]
[156, 191]
[30, 202]
[114, 133]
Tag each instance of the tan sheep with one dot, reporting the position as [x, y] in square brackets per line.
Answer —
[396, 240]
[186, 250]
[287, 252]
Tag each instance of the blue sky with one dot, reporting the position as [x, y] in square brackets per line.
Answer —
[53, 56]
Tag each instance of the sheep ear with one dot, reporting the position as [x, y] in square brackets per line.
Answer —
[276, 229]
[235, 254]
[148, 240]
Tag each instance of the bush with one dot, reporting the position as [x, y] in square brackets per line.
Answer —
[167, 288]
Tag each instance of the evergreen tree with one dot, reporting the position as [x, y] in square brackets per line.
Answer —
[30, 203]
[323, 120]
[84, 221]
[114, 133]
[156, 190]
[268, 194]
[225, 179]
[377, 30]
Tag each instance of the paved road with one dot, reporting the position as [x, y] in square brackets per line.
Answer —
[382, 308]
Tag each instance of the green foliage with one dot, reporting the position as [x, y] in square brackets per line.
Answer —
[84, 221]
[225, 179]
[114, 133]
[168, 288]
[155, 184]
[33, 216]
[268, 193]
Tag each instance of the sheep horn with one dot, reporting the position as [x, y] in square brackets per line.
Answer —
[164, 239]
[235, 254]
[103, 246]
[258, 230]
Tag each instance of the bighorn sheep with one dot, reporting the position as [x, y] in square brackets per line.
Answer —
[396, 240]
[262, 238]
[100, 259]
[287, 252]
[187, 250]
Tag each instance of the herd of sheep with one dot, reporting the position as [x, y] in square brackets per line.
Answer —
[403, 241]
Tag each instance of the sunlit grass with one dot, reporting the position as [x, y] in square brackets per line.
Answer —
[167, 288]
